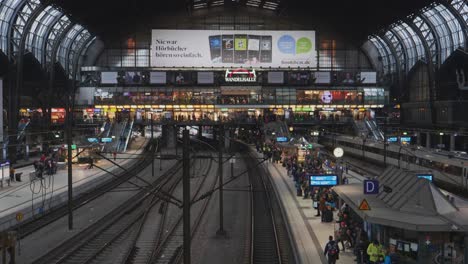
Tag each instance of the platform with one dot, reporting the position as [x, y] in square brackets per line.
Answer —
[32, 198]
[308, 234]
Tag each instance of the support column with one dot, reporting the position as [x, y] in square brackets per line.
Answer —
[227, 137]
[186, 197]
[452, 142]
[169, 136]
[465, 259]
[200, 131]
[221, 232]
[418, 138]
[428, 140]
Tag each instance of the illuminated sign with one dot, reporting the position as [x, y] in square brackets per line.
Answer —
[323, 180]
[240, 75]
[392, 139]
[428, 177]
[106, 140]
[232, 48]
[93, 140]
[281, 139]
[405, 139]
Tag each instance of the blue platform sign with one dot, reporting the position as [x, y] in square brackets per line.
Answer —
[93, 140]
[428, 177]
[326, 180]
[371, 187]
[106, 140]
[392, 139]
[281, 139]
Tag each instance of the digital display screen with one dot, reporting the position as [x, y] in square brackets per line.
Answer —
[392, 139]
[323, 180]
[281, 139]
[93, 140]
[109, 77]
[106, 140]
[428, 177]
[405, 139]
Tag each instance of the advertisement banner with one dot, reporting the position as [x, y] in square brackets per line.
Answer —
[232, 48]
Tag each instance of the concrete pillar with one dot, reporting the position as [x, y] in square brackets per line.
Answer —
[452, 142]
[169, 136]
[465, 259]
[200, 130]
[418, 138]
[428, 140]
[227, 139]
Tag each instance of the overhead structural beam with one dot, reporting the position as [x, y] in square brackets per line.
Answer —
[14, 101]
[436, 38]
[11, 28]
[460, 20]
[430, 69]
[46, 37]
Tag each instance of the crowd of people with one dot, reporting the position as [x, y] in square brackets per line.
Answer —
[46, 165]
[349, 233]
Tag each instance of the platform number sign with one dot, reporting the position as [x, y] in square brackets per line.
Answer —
[19, 217]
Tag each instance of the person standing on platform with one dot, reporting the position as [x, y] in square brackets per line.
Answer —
[332, 251]
[115, 155]
[12, 174]
[374, 250]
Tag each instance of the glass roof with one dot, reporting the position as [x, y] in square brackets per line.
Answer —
[39, 30]
[267, 4]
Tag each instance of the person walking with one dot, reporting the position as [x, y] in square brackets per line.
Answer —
[331, 251]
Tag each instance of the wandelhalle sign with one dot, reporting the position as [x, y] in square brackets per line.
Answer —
[240, 75]
[233, 48]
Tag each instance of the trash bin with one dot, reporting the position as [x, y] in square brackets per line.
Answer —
[18, 176]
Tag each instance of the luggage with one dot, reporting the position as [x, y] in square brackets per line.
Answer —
[327, 216]
[299, 192]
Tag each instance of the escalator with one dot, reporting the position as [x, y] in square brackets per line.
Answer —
[127, 133]
[374, 130]
[115, 132]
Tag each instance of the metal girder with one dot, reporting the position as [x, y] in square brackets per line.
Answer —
[400, 50]
[46, 37]
[400, 63]
[447, 28]
[430, 69]
[51, 66]
[435, 36]
[459, 18]
[11, 28]
[77, 56]
[69, 50]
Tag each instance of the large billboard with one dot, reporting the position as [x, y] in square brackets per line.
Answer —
[232, 48]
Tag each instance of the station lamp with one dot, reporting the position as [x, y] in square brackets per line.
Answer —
[291, 129]
[405, 133]
[441, 133]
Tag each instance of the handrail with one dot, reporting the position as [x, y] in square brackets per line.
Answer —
[129, 133]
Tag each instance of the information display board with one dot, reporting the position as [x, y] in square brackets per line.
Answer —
[232, 48]
[323, 180]
[281, 139]
[428, 177]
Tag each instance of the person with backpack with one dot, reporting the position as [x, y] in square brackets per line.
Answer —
[332, 250]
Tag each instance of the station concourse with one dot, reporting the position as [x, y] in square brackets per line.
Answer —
[234, 131]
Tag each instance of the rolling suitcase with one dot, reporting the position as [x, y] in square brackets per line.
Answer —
[299, 192]
[327, 216]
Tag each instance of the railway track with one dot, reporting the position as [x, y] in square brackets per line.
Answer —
[112, 233]
[153, 237]
[169, 249]
[30, 226]
[269, 240]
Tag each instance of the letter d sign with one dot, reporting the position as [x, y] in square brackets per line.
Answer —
[371, 187]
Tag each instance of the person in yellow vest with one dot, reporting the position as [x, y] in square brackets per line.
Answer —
[374, 250]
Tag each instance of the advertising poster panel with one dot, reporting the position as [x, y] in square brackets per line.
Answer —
[232, 48]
